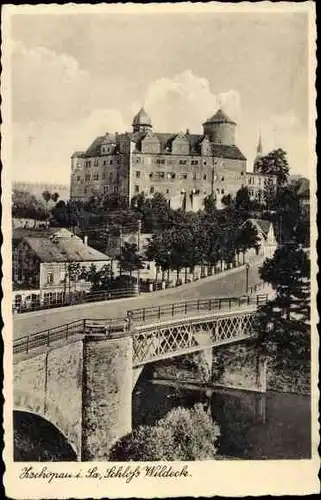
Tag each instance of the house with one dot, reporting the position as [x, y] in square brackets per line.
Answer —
[267, 239]
[49, 263]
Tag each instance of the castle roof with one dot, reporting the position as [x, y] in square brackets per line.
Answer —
[142, 118]
[219, 117]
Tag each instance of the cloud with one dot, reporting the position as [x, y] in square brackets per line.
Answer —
[47, 85]
[186, 101]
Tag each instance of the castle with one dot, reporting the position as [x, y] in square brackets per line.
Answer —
[184, 167]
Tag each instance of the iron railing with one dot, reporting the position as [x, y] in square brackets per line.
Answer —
[69, 331]
[194, 306]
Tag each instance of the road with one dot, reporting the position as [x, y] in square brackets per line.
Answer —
[231, 283]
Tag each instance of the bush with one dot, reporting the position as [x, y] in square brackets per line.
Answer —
[183, 434]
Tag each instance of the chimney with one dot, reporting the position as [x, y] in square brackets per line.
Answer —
[86, 240]
[187, 131]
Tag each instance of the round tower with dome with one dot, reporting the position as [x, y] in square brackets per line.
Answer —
[220, 129]
[141, 122]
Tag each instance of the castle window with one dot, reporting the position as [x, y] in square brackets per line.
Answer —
[138, 174]
[136, 189]
[182, 176]
[152, 190]
[50, 277]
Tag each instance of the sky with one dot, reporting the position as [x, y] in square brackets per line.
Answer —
[76, 76]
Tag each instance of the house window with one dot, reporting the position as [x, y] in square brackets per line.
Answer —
[194, 162]
[160, 161]
[111, 162]
[167, 191]
[204, 162]
[222, 179]
[136, 189]
[85, 190]
[96, 163]
[17, 301]
[110, 176]
[151, 175]
[87, 177]
[222, 191]
[159, 175]
[50, 277]
[103, 175]
[78, 178]
[182, 176]
[138, 174]
[115, 189]
[137, 159]
[204, 177]
[242, 173]
[95, 177]
[152, 190]
[171, 175]
[105, 163]
[182, 162]
[106, 189]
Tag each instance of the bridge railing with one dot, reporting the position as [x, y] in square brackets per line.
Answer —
[67, 331]
[194, 306]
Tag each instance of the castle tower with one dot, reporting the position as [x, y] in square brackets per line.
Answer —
[141, 121]
[220, 129]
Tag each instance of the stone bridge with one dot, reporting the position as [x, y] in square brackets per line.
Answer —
[79, 377]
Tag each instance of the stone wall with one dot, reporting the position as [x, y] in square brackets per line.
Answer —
[107, 395]
[50, 385]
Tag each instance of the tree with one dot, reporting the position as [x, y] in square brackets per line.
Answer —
[25, 205]
[129, 259]
[274, 163]
[242, 200]
[247, 237]
[55, 197]
[47, 197]
[183, 434]
[283, 324]
[210, 204]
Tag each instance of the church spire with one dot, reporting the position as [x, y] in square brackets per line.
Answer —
[259, 149]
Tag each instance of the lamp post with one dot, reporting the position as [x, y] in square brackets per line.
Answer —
[247, 267]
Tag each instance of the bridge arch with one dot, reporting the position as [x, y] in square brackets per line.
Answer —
[37, 439]
[30, 404]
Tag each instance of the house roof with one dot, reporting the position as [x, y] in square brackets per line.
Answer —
[63, 249]
[261, 225]
[303, 188]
